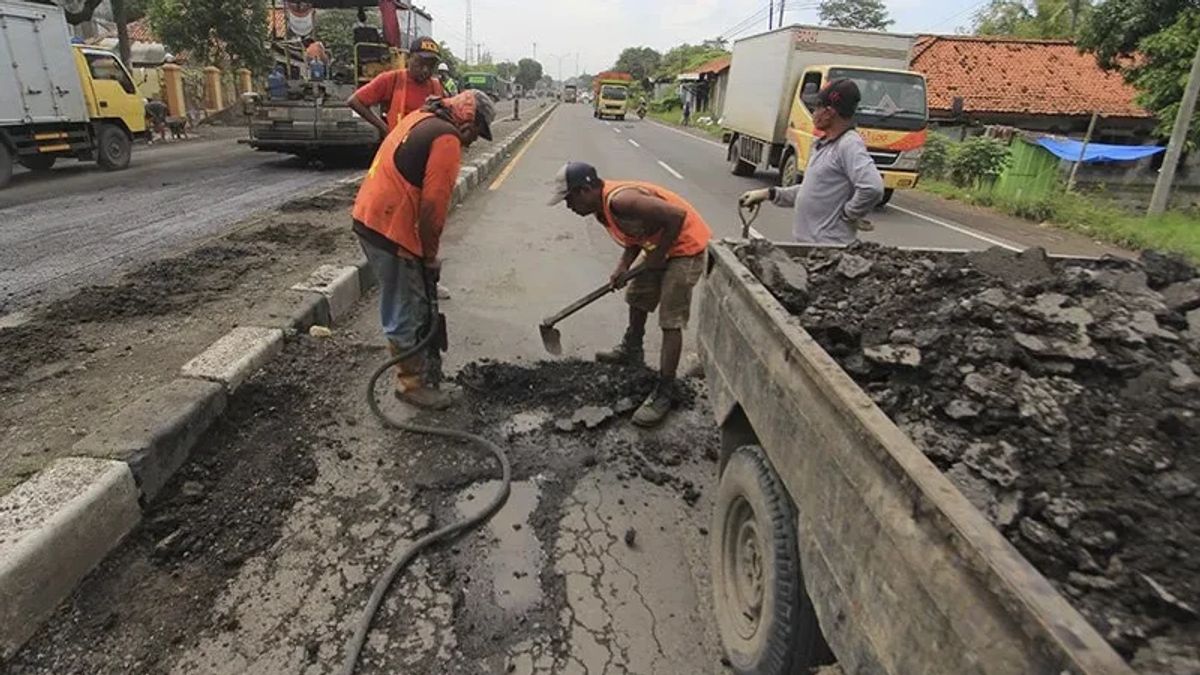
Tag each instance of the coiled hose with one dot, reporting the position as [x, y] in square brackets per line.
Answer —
[354, 646]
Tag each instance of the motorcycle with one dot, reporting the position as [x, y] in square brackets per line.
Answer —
[641, 112]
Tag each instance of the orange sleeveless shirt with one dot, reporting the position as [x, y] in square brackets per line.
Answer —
[693, 236]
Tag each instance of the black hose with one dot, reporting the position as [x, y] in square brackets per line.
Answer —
[354, 646]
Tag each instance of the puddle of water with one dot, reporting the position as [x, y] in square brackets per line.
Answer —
[516, 558]
[524, 423]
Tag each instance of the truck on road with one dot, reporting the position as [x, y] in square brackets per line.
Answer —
[611, 90]
[570, 93]
[58, 99]
[773, 81]
[832, 532]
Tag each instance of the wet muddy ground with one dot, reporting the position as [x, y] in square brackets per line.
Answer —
[260, 553]
[1060, 397]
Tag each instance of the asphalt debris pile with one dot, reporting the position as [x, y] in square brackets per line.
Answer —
[1061, 397]
[338, 198]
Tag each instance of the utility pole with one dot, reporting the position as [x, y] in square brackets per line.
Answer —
[468, 36]
[770, 14]
[576, 64]
[1187, 107]
[1074, 16]
[1082, 152]
[781, 5]
[535, 51]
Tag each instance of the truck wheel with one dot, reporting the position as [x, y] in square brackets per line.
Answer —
[38, 162]
[887, 197]
[789, 173]
[765, 617]
[737, 166]
[113, 148]
[6, 165]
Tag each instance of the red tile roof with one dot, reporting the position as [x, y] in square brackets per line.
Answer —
[716, 66]
[1010, 75]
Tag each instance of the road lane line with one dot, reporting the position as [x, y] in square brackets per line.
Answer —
[671, 171]
[517, 157]
[691, 136]
[958, 228]
[634, 143]
[616, 129]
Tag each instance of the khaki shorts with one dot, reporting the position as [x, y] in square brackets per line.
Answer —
[672, 288]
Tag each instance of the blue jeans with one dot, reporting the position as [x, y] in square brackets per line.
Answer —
[404, 305]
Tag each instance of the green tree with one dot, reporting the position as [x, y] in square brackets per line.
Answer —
[640, 62]
[1115, 28]
[335, 28]
[219, 32]
[1162, 72]
[506, 70]
[528, 73]
[684, 57]
[860, 14]
[977, 161]
[1032, 18]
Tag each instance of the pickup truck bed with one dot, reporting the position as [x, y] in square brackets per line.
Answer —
[904, 574]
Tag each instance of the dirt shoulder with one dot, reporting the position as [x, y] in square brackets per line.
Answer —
[1005, 227]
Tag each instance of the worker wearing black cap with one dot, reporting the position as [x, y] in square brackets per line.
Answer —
[401, 91]
[841, 184]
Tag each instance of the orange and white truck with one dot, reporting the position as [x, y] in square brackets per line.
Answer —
[773, 81]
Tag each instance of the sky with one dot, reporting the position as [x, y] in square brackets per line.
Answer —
[597, 30]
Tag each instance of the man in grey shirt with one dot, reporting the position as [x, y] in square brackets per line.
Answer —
[841, 184]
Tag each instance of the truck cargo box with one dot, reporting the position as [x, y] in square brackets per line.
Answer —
[38, 80]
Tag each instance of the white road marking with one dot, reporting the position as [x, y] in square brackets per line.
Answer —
[671, 171]
[959, 228]
[607, 123]
[634, 143]
[691, 136]
[617, 129]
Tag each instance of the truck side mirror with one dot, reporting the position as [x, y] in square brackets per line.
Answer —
[956, 107]
[808, 94]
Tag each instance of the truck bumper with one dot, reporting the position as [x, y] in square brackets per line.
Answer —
[899, 180]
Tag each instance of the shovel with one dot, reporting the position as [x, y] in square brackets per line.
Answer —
[551, 338]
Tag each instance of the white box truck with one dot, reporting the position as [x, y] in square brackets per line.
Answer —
[768, 124]
[58, 99]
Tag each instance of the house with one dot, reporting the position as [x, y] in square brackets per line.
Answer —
[706, 86]
[1035, 85]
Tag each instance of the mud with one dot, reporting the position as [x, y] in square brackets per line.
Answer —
[1062, 400]
[341, 198]
[27, 346]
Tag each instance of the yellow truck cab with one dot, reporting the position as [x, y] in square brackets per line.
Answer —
[773, 81]
[612, 95]
[891, 119]
[58, 99]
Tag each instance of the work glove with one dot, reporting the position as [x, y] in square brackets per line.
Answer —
[754, 197]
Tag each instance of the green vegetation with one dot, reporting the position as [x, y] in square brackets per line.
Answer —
[1088, 214]
[673, 116]
[219, 32]
[859, 14]
[1032, 18]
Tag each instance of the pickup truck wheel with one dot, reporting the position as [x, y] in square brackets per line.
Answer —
[113, 148]
[789, 173]
[737, 166]
[38, 162]
[764, 616]
[6, 165]
[887, 197]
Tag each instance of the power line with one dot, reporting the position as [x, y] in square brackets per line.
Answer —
[954, 16]
[745, 23]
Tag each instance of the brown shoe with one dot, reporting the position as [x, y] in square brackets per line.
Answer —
[427, 398]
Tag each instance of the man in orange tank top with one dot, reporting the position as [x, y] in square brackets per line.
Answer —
[648, 220]
[399, 214]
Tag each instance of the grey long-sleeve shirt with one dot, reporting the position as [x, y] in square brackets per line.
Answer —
[841, 185]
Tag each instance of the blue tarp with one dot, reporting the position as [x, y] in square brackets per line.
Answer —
[1097, 152]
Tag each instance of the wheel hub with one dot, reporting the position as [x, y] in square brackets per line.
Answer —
[744, 569]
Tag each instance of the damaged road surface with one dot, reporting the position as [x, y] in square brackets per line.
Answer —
[260, 554]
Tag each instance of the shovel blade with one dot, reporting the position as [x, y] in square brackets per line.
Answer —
[551, 339]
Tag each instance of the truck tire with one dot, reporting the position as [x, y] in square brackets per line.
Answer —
[38, 162]
[6, 165]
[113, 147]
[887, 197]
[789, 171]
[763, 613]
[737, 166]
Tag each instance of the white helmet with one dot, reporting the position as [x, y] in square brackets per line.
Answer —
[443, 68]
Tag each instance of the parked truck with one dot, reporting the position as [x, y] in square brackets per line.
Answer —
[58, 99]
[832, 532]
[611, 94]
[773, 81]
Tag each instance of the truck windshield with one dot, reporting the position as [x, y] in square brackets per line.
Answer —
[613, 93]
[889, 100]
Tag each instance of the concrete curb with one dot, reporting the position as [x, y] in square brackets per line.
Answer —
[59, 524]
[54, 528]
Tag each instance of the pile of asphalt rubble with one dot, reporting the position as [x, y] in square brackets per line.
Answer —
[1060, 397]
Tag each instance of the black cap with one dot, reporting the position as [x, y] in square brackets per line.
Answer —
[841, 95]
[573, 175]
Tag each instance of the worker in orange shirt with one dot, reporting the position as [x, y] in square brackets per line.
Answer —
[317, 58]
[399, 215]
[648, 220]
[400, 91]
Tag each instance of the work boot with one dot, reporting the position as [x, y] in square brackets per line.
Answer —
[655, 408]
[629, 352]
[412, 387]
